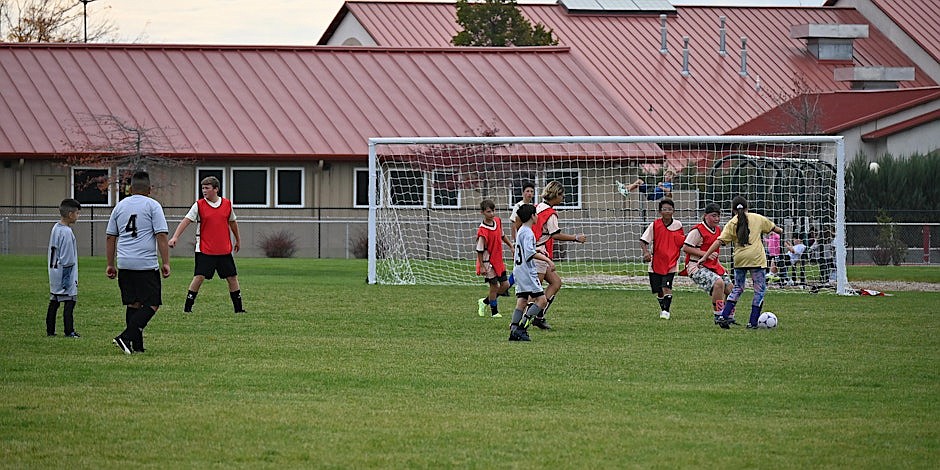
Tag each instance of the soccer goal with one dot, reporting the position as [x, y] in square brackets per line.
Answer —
[425, 194]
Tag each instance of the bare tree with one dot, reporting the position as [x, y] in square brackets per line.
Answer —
[123, 146]
[800, 107]
[50, 21]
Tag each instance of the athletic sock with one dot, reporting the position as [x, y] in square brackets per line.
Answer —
[728, 308]
[516, 318]
[534, 311]
[662, 302]
[547, 306]
[67, 318]
[50, 316]
[755, 314]
[237, 300]
[190, 300]
[494, 306]
[667, 302]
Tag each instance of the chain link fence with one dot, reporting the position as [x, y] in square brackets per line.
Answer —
[342, 233]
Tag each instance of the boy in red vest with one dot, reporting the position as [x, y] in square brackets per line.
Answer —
[214, 248]
[709, 274]
[490, 264]
[667, 237]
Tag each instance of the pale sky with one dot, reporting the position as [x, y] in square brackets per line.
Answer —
[258, 22]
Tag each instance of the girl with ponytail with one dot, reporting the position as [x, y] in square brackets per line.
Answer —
[745, 230]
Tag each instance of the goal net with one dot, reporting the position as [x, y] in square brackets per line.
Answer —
[425, 194]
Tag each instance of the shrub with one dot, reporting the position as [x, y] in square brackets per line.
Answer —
[360, 247]
[889, 248]
[280, 244]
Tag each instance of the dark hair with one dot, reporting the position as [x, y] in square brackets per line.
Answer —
[665, 201]
[140, 182]
[712, 208]
[528, 184]
[739, 208]
[67, 206]
[525, 212]
[487, 204]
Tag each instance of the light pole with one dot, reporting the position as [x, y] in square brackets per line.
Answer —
[85, 15]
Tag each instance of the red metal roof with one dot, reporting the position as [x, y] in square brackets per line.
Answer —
[622, 51]
[903, 126]
[838, 110]
[291, 102]
[915, 17]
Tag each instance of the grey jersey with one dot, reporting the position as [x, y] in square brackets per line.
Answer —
[136, 221]
[63, 261]
[524, 272]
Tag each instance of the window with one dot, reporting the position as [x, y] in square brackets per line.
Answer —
[92, 186]
[571, 179]
[250, 187]
[445, 189]
[204, 172]
[406, 188]
[289, 187]
[361, 188]
[518, 179]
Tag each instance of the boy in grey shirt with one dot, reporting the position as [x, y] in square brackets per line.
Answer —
[63, 269]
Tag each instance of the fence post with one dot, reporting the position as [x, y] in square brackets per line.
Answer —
[926, 232]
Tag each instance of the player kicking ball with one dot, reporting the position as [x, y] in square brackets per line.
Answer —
[530, 298]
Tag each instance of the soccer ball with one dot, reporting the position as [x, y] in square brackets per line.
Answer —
[874, 167]
[767, 320]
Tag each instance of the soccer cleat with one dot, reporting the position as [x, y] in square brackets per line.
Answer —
[241, 311]
[751, 327]
[664, 315]
[723, 323]
[73, 334]
[496, 315]
[119, 342]
[481, 307]
[541, 324]
[519, 335]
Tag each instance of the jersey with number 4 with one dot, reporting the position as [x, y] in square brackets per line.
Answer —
[136, 221]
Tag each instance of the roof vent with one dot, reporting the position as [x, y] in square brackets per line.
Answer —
[663, 46]
[830, 41]
[874, 78]
[685, 56]
[722, 32]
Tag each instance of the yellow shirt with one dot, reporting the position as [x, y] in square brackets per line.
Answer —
[752, 255]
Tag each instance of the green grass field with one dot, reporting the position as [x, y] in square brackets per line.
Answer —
[326, 371]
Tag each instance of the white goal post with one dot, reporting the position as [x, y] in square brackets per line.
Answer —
[425, 193]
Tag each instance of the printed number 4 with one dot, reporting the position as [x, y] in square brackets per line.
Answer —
[132, 225]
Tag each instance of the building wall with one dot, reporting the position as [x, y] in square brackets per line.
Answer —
[350, 33]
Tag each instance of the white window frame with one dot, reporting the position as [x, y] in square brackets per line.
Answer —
[267, 189]
[567, 204]
[109, 174]
[303, 185]
[424, 189]
[223, 183]
[355, 186]
[433, 191]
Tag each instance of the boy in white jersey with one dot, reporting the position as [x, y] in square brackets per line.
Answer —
[136, 231]
[530, 299]
[63, 269]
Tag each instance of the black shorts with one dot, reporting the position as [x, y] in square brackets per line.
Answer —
[498, 279]
[140, 286]
[527, 295]
[208, 265]
[660, 281]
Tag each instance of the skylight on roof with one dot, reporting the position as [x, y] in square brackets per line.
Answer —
[618, 6]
